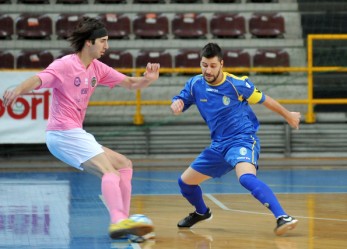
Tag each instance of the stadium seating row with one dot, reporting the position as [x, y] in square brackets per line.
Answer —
[148, 25]
[124, 59]
[132, 1]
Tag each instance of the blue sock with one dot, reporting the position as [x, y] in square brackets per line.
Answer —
[193, 194]
[262, 193]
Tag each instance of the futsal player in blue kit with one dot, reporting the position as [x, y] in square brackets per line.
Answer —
[223, 101]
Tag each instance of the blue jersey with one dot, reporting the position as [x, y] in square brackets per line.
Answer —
[224, 106]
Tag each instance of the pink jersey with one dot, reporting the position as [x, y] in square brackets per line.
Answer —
[72, 86]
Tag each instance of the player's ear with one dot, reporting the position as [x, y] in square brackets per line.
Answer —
[88, 43]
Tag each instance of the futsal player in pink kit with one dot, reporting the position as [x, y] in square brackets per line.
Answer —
[73, 79]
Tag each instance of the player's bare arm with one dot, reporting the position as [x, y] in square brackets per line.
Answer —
[27, 86]
[151, 75]
[293, 118]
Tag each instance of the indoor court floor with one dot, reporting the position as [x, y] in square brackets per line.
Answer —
[58, 210]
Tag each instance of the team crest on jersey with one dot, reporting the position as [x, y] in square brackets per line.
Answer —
[243, 151]
[77, 81]
[226, 100]
[93, 82]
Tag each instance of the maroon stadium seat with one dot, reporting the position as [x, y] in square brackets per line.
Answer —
[64, 52]
[228, 25]
[186, 1]
[65, 24]
[34, 59]
[189, 25]
[118, 59]
[162, 57]
[149, 1]
[72, 1]
[6, 26]
[236, 58]
[117, 25]
[271, 58]
[263, 1]
[6, 60]
[34, 1]
[225, 1]
[151, 26]
[187, 58]
[267, 25]
[33, 26]
[110, 1]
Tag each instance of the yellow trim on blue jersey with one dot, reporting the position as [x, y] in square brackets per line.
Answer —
[255, 141]
[255, 97]
[220, 83]
[236, 77]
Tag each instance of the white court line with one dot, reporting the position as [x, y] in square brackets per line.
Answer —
[217, 202]
[135, 246]
[222, 206]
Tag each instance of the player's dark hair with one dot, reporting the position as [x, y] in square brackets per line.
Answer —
[85, 30]
[211, 50]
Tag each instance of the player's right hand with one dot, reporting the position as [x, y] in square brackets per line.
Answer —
[9, 97]
[177, 107]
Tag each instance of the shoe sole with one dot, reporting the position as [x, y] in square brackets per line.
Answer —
[208, 219]
[138, 231]
[286, 227]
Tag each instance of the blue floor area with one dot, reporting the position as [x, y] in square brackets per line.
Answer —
[281, 181]
[62, 210]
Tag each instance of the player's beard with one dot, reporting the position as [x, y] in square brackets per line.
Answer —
[214, 78]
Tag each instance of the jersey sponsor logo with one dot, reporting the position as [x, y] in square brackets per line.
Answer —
[93, 82]
[84, 91]
[243, 151]
[226, 100]
[247, 84]
[77, 81]
[211, 90]
[203, 100]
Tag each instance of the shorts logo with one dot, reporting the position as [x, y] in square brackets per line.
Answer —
[243, 151]
[226, 100]
[77, 81]
[93, 82]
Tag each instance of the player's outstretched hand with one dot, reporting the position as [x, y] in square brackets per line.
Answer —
[294, 119]
[9, 97]
[152, 71]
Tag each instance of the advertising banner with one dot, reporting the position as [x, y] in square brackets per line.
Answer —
[25, 120]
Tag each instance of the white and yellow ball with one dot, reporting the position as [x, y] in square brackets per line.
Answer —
[143, 219]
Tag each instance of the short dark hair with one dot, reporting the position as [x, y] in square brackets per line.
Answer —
[211, 50]
[83, 32]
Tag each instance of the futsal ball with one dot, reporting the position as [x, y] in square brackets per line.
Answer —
[143, 219]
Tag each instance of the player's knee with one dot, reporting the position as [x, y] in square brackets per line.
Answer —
[185, 188]
[247, 181]
[129, 164]
[252, 184]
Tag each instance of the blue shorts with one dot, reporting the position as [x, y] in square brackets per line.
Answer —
[221, 157]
